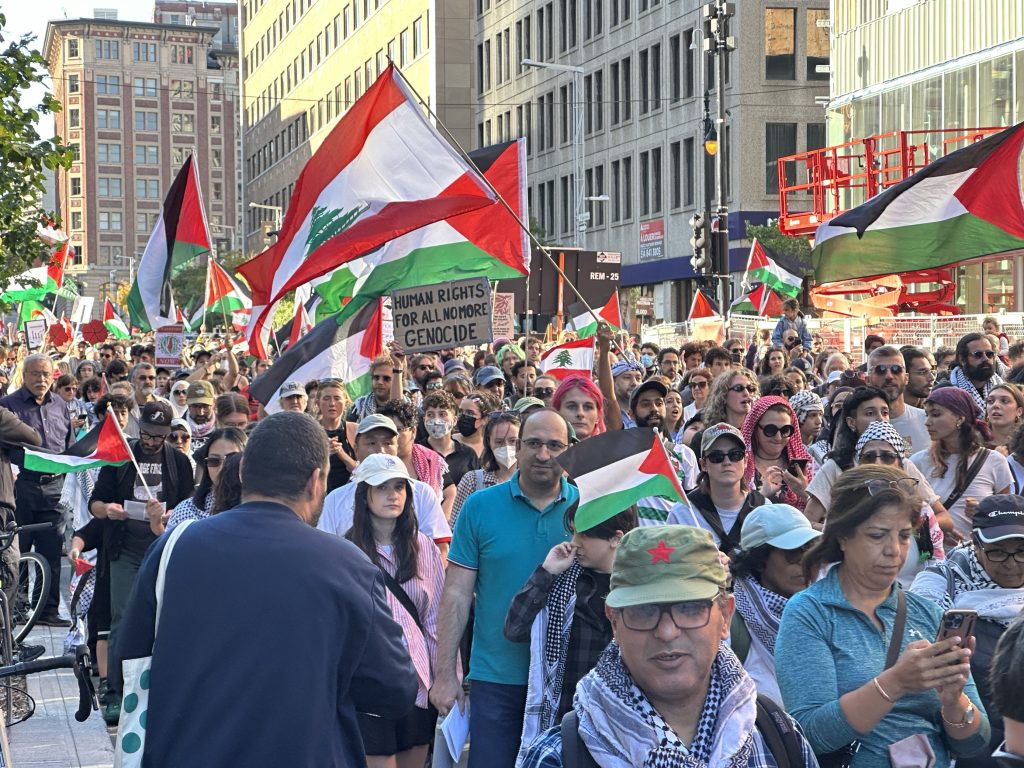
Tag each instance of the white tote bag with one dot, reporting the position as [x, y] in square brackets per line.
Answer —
[131, 730]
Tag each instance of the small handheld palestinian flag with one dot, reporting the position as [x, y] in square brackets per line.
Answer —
[585, 324]
[616, 469]
[102, 446]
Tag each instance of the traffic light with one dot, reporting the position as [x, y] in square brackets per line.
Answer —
[699, 242]
[269, 233]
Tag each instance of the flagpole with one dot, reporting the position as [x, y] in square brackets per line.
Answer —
[206, 291]
[142, 478]
[465, 155]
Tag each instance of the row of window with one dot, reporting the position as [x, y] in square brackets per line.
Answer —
[112, 221]
[145, 120]
[141, 51]
[288, 139]
[278, 28]
[144, 87]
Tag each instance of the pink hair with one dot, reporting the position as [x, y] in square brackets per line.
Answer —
[588, 388]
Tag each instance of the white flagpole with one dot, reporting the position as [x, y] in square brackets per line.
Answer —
[124, 440]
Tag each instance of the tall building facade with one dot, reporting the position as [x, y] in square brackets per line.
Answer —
[136, 98]
[305, 62]
[642, 83]
[930, 66]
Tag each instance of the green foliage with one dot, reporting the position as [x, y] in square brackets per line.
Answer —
[797, 248]
[24, 157]
[189, 284]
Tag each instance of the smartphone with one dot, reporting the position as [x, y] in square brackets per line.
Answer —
[957, 623]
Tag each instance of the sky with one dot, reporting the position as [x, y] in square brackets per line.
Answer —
[31, 17]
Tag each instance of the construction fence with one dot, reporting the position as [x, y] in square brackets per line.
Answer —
[929, 331]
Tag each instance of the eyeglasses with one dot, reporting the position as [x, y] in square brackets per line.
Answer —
[698, 385]
[749, 388]
[331, 383]
[689, 614]
[381, 377]
[1001, 555]
[543, 393]
[179, 438]
[929, 372]
[894, 369]
[980, 353]
[151, 436]
[735, 455]
[906, 485]
[879, 457]
[771, 430]
[553, 446]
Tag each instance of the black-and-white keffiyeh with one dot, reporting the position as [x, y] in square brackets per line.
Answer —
[959, 379]
[760, 608]
[556, 641]
[621, 728]
[964, 583]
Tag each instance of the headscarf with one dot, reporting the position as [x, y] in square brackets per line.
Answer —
[882, 430]
[589, 388]
[963, 405]
[805, 402]
[794, 450]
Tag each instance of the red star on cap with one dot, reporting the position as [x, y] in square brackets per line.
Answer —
[661, 552]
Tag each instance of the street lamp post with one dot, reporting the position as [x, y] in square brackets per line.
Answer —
[578, 150]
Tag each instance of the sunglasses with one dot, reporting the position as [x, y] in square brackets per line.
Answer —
[772, 430]
[690, 614]
[214, 461]
[151, 436]
[748, 388]
[434, 385]
[179, 438]
[698, 385]
[543, 393]
[735, 455]
[179, 392]
[332, 382]
[894, 369]
[906, 485]
[978, 354]
[879, 457]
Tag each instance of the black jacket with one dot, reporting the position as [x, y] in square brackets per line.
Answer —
[727, 540]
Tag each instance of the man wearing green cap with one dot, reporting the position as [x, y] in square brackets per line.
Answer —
[667, 691]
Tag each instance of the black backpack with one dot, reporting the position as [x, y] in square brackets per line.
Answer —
[772, 722]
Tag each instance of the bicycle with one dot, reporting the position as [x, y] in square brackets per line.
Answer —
[33, 582]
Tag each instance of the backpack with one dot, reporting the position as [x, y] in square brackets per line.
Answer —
[772, 723]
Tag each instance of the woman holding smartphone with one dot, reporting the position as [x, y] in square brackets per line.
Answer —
[855, 657]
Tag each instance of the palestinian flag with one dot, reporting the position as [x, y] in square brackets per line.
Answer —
[963, 206]
[115, 325]
[759, 300]
[382, 172]
[616, 469]
[487, 242]
[763, 267]
[37, 283]
[226, 298]
[102, 446]
[341, 347]
[702, 307]
[584, 323]
[180, 234]
[574, 358]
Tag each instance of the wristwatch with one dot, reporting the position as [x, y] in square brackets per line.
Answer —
[968, 717]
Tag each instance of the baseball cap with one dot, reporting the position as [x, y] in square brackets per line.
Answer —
[523, 404]
[834, 377]
[487, 374]
[622, 366]
[181, 424]
[778, 525]
[200, 392]
[718, 430]
[655, 384]
[156, 418]
[290, 389]
[376, 421]
[999, 517]
[453, 365]
[665, 564]
[378, 468]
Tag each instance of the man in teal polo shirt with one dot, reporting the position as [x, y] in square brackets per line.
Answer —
[500, 536]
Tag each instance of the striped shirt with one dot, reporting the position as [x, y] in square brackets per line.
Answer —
[425, 593]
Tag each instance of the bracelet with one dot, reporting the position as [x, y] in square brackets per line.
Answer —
[882, 693]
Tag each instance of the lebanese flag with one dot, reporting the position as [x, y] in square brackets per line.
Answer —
[574, 358]
[180, 235]
[584, 323]
[341, 346]
[383, 171]
[702, 308]
[115, 325]
[963, 206]
[617, 469]
[226, 297]
[102, 446]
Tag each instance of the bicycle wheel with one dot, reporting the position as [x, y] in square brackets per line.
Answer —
[33, 581]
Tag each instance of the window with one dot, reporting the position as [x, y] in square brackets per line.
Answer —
[563, 27]
[627, 188]
[76, 186]
[817, 43]
[656, 180]
[110, 221]
[183, 122]
[643, 59]
[74, 118]
[566, 185]
[655, 76]
[815, 136]
[76, 152]
[76, 220]
[181, 54]
[564, 101]
[346, 21]
[689, 172]
[108, 84]
[108, 186]
[144, 51]
[73, 49]
[645, 186]
[779, 141]
[147, 189]
[144, 86]
[145, 121]
[108, 118]
[108, 49]
[549, 36]
[145, 154]
[108, 153]
[627, 90]
[183, 89]
[616, 189]
[613, 75]
[178, 155]
[780, 43]
[549, 107]
[419, 43]
[215, 123]
[73, 83]
[218, 190]
[403, 47]
[598, 101]
[216, 159]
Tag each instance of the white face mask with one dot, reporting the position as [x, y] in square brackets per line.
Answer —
[437, 428]
[506, 455]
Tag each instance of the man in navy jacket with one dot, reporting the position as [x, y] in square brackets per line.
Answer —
[272, 634]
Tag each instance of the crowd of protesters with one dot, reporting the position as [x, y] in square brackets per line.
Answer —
[838, 506]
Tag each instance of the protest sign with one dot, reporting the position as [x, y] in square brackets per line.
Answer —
[432, 317]
[503, 315]
[82, 310]
[35, 330]
[170, 340]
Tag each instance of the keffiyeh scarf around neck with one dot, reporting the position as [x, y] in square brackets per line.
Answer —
[760, 608]
[621, 728]
[959, 379]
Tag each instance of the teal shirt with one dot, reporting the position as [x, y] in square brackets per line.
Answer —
[503, 537]
[826, 648]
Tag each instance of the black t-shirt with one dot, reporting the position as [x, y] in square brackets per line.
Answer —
[461, 460]
[138, 535]
[338, 474]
